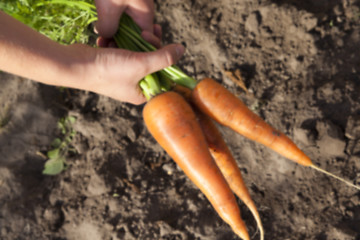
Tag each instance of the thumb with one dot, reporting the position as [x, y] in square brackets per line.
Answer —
[162, 58]
[108, 17]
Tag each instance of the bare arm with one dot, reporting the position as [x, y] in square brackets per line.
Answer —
[111, 72]
[26, 53]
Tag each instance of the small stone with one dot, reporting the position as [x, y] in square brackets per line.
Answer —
[252, 23]
[309, 22]
[134, 112]
[131, 134]
[168, 168]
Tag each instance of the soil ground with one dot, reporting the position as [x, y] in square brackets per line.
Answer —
[300, 63]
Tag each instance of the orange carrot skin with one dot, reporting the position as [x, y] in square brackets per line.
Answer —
[224, 107]
[219, 150]
[224, 159]
[227, 164]
[172, 122]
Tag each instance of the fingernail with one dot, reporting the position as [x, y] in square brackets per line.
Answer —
[95, 28]
[180, 49]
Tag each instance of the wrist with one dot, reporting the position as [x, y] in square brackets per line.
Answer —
[75, 66]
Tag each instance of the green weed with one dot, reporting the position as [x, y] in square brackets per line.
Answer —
[60, 147]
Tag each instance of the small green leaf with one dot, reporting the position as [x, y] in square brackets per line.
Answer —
[53, 154]
[62, 127]
[56, 143]
[72, 119]
[68, 139]
[73, 133]
[54, 166]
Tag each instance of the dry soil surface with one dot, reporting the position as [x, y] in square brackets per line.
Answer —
[300, 64]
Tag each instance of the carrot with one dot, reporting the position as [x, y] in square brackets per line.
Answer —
[221, 105]
[172, 122]
[228, 166]
[223, 158]
[217, 102]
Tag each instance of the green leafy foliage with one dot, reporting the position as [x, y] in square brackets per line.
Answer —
[64, 21]
[60, 147]
[54, 166]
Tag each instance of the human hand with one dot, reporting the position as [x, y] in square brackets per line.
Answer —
[116, 72]
[142, 12]
[109, 12]
[108, 71]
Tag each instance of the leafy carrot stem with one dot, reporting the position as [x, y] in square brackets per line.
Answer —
[130, 31]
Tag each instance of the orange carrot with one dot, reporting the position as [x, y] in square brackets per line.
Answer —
[217, 102]
[172, 122]
[228, 166]
[223, 158]
[221, 105]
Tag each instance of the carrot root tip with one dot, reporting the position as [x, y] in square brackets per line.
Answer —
[334, 176]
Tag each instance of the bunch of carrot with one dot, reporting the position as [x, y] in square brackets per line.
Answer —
[179, 115]
[189, 136]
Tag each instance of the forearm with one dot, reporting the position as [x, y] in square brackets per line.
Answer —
[27, 53]
[108, 71]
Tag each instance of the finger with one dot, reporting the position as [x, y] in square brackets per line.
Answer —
[151, 38]
[162, 58]
[158, 31]
[139, 96]
[102, 42]
[142, 13]
[105, 42]
[108, 17]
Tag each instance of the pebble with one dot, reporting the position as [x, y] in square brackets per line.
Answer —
[168, 168]
[252, 23]
[309, 22]
[131, 134]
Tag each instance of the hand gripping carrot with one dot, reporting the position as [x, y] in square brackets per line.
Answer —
[172, 122]
[223, 158]
[224, 107]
